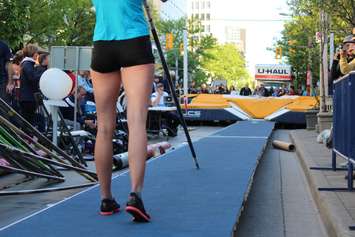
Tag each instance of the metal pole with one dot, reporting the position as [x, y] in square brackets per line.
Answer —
[331, 50]
[324, 60]
[171, 85]
[310, 65]
[76, 88]
[177, 67]
[186, 75]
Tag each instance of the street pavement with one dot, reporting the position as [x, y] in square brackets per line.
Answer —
[337, 208]
[280, 203]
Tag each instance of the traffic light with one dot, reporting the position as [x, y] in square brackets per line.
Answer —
[169, 38]
[278, 53]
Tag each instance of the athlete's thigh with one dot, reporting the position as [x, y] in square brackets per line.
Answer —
[137, 82]
[106, 90]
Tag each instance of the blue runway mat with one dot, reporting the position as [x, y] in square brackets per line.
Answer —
[182, 201]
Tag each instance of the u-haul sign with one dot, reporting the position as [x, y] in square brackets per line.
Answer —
[274, 72]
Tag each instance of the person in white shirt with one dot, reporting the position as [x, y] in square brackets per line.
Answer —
[157, 97]
[171, 120]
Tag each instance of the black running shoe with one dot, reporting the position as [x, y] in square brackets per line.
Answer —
[109, 207]
[135, 207]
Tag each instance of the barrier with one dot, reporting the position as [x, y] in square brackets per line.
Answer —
[343, 130]
[344, 126]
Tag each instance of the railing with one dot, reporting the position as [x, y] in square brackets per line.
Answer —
[344, 123]
[343, 130]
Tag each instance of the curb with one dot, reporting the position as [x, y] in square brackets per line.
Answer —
[335, 217]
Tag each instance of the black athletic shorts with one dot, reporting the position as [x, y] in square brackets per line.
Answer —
[110, 56]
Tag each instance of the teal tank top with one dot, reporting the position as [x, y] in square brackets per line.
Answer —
[119, 20]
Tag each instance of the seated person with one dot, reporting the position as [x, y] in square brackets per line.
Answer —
[68, 112]
[171, 119]
[158, 96]
[84, 80]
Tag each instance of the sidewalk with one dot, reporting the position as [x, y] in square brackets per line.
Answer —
[337, 209]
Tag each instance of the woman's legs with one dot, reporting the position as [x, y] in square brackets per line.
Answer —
[137, 81]
[106, 89]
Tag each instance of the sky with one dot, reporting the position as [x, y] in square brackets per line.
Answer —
[261, 34]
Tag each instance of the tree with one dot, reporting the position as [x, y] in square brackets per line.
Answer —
[13, 20]
[227, 63]
[198, 46]
[304, 24]
[295, 47]
[46, 22]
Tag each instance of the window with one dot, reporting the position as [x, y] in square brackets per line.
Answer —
[208, 28]
[192, 5]
[196, 16]
[203, 28]
[208, 3]
[202, 17]
[197, 5]
[203, 5]
[208, 16]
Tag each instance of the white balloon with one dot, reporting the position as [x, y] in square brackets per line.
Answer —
[55, 84]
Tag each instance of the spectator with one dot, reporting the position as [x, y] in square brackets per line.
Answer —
[192, 89]
[204, 89]
[43, 60]
[158, 96]
[29, 83]
[179, 91]
[276, 92]
[245, 91]
[335, 72]
[13, 85]
[233, 91]
[157, 79]
[292, 91]
[171, 118]
[271, 91]
[261, 91]
[282, 92]
[256, 90]
[5, 69]
[221, 89]
[41, 67]
[347, 62]
[300, 91]
[84, 80]
[68, 112]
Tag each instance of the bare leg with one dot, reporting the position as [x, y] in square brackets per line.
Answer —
[106, 89]
[137, 81]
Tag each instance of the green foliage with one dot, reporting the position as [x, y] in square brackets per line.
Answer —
[297, 35]
[198, 46]
[227, 63]
[304, 24]
[207, 59]
[46, 22]
[13, 20]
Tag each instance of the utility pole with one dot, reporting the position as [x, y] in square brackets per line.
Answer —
[325, 118]
[186, 79]
[177, 67]
[324, 23]
[309, 67]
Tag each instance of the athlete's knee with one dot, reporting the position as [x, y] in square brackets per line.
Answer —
[105, 130]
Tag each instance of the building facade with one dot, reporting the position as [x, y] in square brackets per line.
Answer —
[210, 13]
